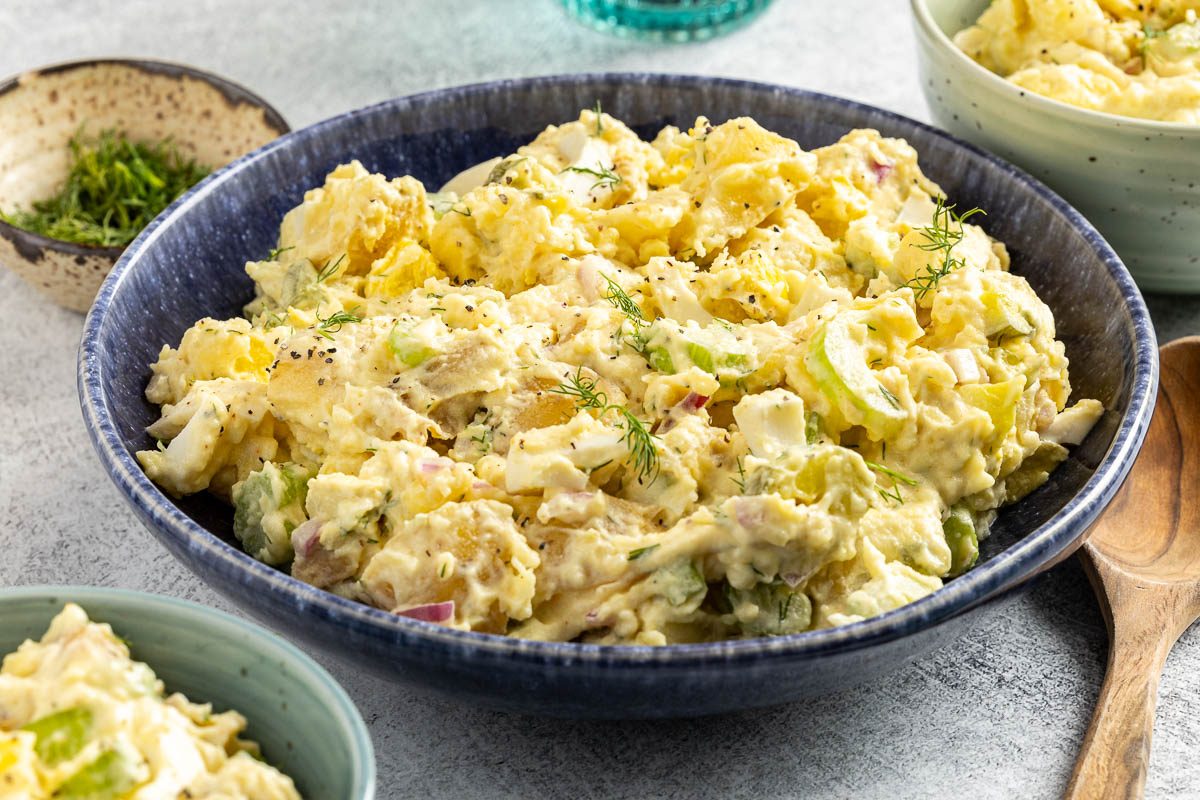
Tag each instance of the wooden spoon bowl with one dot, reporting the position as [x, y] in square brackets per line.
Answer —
[1143, 557]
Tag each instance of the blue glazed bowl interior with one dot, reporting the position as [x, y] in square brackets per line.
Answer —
[306, 724]
[189, 264]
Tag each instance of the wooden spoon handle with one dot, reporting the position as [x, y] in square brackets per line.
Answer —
[1116, 750]
[1144, 621]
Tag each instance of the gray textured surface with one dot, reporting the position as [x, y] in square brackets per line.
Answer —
[999, 715]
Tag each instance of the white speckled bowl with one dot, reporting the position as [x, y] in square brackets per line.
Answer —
[1137, 181]
[207, 117]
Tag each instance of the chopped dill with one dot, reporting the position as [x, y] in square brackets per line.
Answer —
[599, 119]
[634, 555]
[276, 252]
[897, 478]
[740, 480]
[891, 398]
[621, 301]
[334, 322]
[114, 187]
[330, 269]
[604, 175]
[893, 474]
[942, 236]
[641, 442]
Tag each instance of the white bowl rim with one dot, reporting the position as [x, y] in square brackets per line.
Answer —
[1101, 120]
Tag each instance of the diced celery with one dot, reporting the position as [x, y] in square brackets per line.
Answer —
[713, 349]
[959, 528]
[814, 427]
[60, 736]
[411, 351]
[780, 609]
[701, 356]
[300, 277]
[661, 360]
[109, 777]
[838, 365]
[1002, 317]
[680, 582]
[268, 505]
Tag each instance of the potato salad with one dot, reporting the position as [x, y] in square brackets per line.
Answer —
[81, 720]
[1137, 59]
[617, 391]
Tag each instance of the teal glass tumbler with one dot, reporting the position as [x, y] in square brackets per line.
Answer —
[666, 20]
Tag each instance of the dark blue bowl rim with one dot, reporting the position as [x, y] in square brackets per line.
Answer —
[1036, 550]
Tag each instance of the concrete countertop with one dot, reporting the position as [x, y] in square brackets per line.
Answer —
[1000, 714]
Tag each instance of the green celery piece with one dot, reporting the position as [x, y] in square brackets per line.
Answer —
[271, 489]
[109, 777]
[680, 582]
[410, 351]
[813, 427]
[959, 528]
[661, 360]
[781, 610]
[837, 364]
[60, 736]
[700, 356]
[1002, 317]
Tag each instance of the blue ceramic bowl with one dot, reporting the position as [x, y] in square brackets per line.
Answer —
[188, 264]
[306, 724]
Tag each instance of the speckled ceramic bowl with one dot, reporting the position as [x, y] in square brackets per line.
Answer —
[1137, 181]
[207, 117]
[189, 264]
[306, 724]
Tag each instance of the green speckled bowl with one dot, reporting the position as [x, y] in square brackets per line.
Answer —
[1138, 181]
[306, 724]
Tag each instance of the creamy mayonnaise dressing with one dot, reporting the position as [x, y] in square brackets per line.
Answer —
[612, 390]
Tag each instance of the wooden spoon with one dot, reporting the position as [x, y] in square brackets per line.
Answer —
[1143, 557]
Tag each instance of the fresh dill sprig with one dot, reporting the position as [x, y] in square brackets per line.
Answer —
[621, 301]
[740, 480]
[637, 553]
[638, 439]
[330, 268]
[891, 398]
[942, 236]
[893, 474]
[599, 119]
[897, 478]
[276, 252]
[604, 175]
[334, 322]
[114, 187]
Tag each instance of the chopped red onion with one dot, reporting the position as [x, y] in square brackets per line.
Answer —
[693, 401]
[432, 466]
[791, 579]
[430, 612]
[748, 512]
[306, 537]
[881, 171]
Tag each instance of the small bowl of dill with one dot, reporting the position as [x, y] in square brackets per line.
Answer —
[92, 151]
